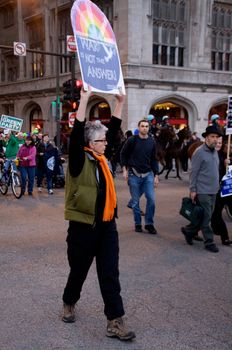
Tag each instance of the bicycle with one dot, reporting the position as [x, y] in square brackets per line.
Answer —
[10, 178]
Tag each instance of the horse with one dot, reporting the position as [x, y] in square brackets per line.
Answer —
[170, 144]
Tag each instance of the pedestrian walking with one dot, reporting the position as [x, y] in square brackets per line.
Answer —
[204, 184]
[90, 207]
[47, 162]
[140, 169]
[27, 164]
[217, 222]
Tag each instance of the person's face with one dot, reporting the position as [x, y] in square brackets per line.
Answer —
[143, 128]
[219, 144]
[211, 140]
[28, 142]
[99, 144]
[46, 139]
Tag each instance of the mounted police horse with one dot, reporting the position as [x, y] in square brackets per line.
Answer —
[169, 145]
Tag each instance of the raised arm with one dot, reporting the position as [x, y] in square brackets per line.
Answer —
[119, 106]
[81, 112]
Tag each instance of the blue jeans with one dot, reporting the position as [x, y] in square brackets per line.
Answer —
[40, 175]
[7, 164]
[139, 186]
[27, 172]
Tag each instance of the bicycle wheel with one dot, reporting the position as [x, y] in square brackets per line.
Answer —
[4, 184]
[16, 185]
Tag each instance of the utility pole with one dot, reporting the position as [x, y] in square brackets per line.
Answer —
[57, 81]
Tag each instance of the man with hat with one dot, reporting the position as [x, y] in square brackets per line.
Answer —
[204, 185]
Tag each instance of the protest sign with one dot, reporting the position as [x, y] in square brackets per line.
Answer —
[226, 186]
[229, 117]
[97, 49]
[11, 123]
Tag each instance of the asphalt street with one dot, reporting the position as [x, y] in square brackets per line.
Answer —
[177, 297]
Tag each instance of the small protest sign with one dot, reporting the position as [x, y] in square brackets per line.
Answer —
[11, 123]
[226, 186]
[229, 117]
[97, 48]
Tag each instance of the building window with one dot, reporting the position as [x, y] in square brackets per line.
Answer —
[169, 28]
[221, 48]
[65, 29]
[7, 16]
[12, 68]
[36, 42]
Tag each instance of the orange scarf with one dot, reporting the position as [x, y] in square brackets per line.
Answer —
[110, 203]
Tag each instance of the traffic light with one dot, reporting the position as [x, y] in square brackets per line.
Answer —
[72, 90]
[68, 90]
[77, 90]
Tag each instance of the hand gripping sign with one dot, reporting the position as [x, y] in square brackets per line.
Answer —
[97, 49]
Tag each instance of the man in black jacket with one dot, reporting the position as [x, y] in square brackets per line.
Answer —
[140, 169]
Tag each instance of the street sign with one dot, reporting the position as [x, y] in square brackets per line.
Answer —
[97, 49]
[229, 117]
[71, 44]
[11, 123]
[19, 49]
[71, 119]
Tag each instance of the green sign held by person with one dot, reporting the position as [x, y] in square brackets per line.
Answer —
[11, 123]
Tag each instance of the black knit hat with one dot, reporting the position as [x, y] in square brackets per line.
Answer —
[212, 129]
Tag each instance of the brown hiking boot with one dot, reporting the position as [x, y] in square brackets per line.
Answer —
[116, 329]
[68, 313]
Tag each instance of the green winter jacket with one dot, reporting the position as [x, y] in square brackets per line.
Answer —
[81, 193]
[12, 147]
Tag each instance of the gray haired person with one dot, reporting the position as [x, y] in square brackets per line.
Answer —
[204, 185]
[90, 207]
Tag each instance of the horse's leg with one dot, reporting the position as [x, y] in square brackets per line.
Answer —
[177, 162]
[169, 167]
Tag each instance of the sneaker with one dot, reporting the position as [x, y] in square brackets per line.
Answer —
[116, 329]
[212, 248]
[68, 313]
[50, 191]
[187, 236]
[151, 229]
[138, 228]
[39, 189]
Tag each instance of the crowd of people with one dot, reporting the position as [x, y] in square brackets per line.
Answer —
[91, 206]
[35, 155]
[90, 196]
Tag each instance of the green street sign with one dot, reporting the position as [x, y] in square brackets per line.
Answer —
[11, 123]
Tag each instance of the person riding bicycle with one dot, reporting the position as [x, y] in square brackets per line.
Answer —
[11, 143]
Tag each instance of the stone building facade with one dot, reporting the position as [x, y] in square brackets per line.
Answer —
[176, 58]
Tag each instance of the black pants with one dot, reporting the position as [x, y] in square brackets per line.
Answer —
[85, 243]
[217, 222]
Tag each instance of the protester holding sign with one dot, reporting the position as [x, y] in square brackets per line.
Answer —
[11, 144]
[217, 222]
[90, 207]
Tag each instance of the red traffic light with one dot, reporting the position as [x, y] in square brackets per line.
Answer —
[74, 105]
[79, 84]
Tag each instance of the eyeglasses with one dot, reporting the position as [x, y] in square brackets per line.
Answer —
[103, 140]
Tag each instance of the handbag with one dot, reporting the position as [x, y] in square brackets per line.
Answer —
[191, 211]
